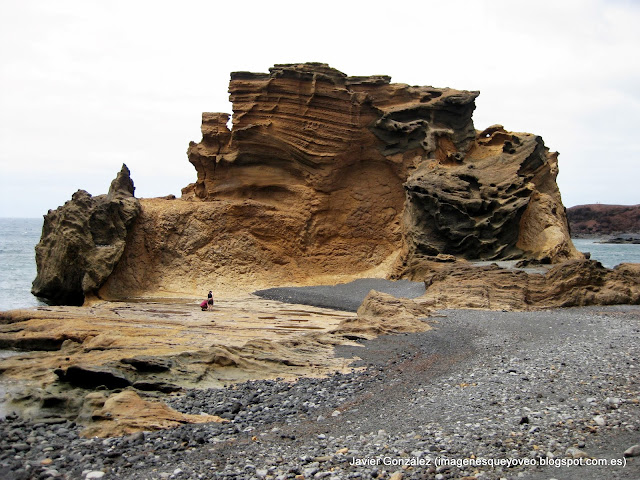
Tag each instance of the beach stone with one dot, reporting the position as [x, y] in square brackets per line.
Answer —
[633, 451]
[94, 475]
[575, 453]
[262, 472]
[612, 403]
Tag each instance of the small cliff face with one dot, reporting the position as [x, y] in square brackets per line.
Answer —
[598, 219]
[82, 242]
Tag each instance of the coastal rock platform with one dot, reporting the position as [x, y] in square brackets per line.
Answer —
[159, 347]
[155, 348]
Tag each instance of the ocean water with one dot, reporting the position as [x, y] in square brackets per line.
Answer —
[19, 236]
[609, 254]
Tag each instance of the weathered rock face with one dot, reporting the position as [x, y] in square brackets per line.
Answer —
[569, 284]
[326, 177]
[496, 200]
[83, 240]
[600, 219]
[328, 154]
[384, 314]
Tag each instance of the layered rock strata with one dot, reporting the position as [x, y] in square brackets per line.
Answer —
[153, 349]
[83, 240]
[325, 177]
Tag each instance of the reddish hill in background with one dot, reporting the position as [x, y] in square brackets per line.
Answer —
[600, 219]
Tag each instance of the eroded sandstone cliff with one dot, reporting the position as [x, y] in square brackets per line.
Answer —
[327, 177]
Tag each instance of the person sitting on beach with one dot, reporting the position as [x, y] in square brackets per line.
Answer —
[210, 301]
[204, 306]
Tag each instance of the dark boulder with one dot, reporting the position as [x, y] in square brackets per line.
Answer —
[82, 241]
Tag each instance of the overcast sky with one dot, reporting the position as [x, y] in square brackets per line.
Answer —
[88, 85]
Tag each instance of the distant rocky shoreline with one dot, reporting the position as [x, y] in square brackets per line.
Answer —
[620, 239]
[605, 221]
[623, 239]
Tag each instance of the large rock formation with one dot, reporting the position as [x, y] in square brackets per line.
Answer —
[340, 147]
[498, 200]
[325, 177]
[599, 220]
[83, 240]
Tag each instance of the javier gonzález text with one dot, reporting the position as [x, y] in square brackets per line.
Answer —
[391, 461]
[484, 462]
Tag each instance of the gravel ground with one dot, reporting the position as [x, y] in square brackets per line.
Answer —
[344, 296]
[496, 387]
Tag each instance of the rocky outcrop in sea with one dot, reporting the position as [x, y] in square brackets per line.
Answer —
[321, 179]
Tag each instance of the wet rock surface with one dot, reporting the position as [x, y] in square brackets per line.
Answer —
[553, 385]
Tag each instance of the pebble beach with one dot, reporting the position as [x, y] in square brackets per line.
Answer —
[484, 395]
